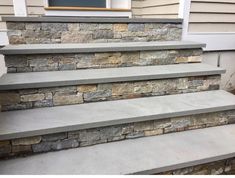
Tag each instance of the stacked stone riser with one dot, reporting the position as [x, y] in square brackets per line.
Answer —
[93, 136]
[55, 62]
[58, 96]
[223, 167]
[40, 32]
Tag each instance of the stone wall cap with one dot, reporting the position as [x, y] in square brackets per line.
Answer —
[42, 121]
[28, 80]
[97, 47]
[91, 20]
[149, 155]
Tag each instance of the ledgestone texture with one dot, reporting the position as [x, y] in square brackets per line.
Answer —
[42, 33]
[58, 62]
[88, 137]
[57, 96]
[223, 167]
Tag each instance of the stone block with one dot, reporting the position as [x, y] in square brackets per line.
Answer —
[135, 135]
[143, 126]
[97, 96]
[65, 144]
[7, 98]
[66, 99]
[87, 88]
[136, 27]
[54, 137]
[153, 132]
[32, 97]
[21, 149]
[26, 141]
[120, 27]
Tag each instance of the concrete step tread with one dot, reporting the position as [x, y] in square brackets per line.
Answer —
[91, 20]
[108, 75]
[138, 156]
[26, 123]
[97, 47]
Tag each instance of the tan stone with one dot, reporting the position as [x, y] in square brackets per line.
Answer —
[33, 97]
[120, 27]
[153, 132]
[60, 99]
[9, 98]
[48, 96]
[189, 59]
[107, 59]
[142, 126]
[21, 149]
[87, 88]
[122, 89]
[27, 141]
[4, 143]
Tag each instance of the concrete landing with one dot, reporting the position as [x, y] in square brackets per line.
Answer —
[96, 76]
[139, 156]
[26, 123]
[98, 47]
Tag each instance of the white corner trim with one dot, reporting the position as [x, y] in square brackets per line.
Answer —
[20, 8]
[184, 12]
[3, 38]
[181, 9]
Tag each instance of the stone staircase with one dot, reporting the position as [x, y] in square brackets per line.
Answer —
[125, 94]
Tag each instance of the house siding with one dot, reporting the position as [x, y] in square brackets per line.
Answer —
[155, 9]
[35, 7]
[212, 16]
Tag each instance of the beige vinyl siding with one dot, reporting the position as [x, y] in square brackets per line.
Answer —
[6, 9]
[212, 16]
[155, 8]
[35, 7]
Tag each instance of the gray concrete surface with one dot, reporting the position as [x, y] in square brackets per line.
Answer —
[95, 76]
[97, 47]
[96, 20]
[138, 156]
[17, 124]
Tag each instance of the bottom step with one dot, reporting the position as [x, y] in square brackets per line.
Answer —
[149, 155]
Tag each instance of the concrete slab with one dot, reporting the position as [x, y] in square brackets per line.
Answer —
[139, 156]
[97, 47]
[26, 123]
[90, 20]
[95, 76]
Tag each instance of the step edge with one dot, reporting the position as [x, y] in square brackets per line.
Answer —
[212, 72]
[113, 122]
[49, 50]
[185, 164]
[91, 20]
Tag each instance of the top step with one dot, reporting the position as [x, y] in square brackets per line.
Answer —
[37, 30]
[91, 20]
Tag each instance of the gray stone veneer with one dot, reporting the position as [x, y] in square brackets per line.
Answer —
[55, 62]
[35, 33]
[223, 167]
[56, 96]
[88, 137]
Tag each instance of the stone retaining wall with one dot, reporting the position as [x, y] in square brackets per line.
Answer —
[57, 96]
[223, 167]
[55, 62]
[88, 137]
[36, 33]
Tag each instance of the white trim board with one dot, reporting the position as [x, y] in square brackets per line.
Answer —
[3, 38]
[20, 8]
[214, 42]
[88, 13]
